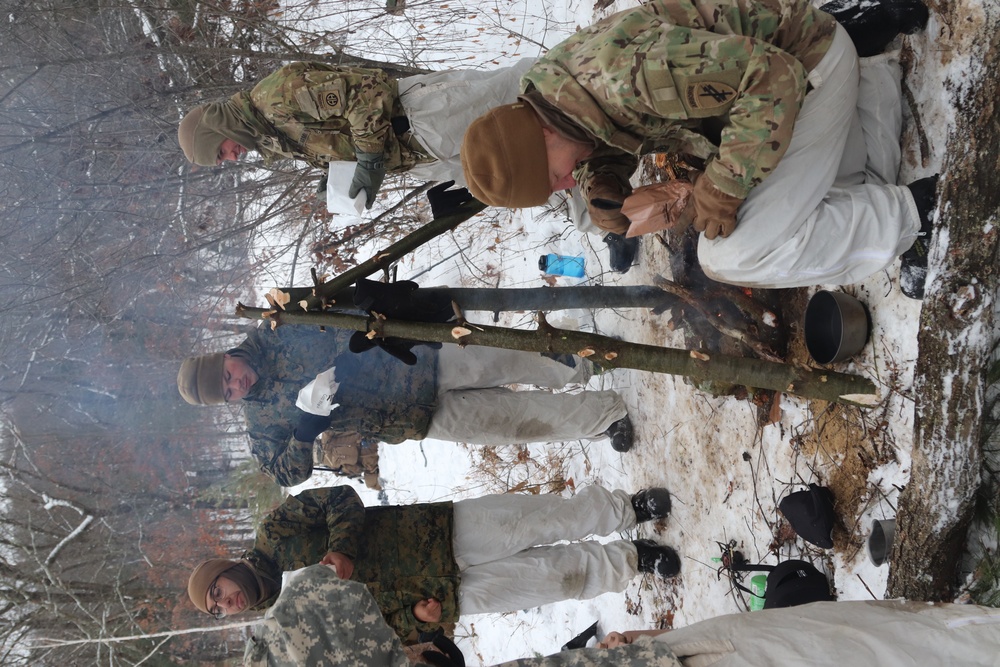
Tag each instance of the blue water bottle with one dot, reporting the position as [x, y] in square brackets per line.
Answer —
[561, 265]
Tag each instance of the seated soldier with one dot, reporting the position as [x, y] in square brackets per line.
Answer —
[425, 564]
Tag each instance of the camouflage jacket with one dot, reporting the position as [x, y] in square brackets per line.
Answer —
[330, 113]
[298, 632]
[402, 554]
[719, 79]
[380, 397]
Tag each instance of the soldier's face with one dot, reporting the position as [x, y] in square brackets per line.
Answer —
[563, 156]
[237, 378]
[224, 598]
[229, 151]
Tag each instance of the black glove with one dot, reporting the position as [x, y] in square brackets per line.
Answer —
[397, 347]
[397, 301]
[445, 202]
[310, 426]
[368, 176]
[452, 655]
[401, 300]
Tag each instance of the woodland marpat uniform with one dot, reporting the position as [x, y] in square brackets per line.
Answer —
[328, 113]
[660, 77]
[379, 397]
[403, 554]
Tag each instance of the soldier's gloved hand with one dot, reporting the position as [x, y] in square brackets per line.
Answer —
[714, 210]
[368, 176]
[605, 195]
[401, 300]
[400, 348]
[450, 656]
[309, 426]
[444, 201]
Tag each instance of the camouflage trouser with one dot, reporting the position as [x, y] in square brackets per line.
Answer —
[498, 546]
[473, 408]
[826, 214]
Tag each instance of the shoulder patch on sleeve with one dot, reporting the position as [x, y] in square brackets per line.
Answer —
[708, 94]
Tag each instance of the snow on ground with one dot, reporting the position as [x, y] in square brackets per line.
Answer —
[688, 441]
[726, 473]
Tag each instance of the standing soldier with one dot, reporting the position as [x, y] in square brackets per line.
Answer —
[323, 113]
[426, 564]
[452, 394]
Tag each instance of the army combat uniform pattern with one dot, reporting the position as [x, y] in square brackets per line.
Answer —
[495, 546]
[329, 113]
[767, 91]
[322, 113]
[644, 80]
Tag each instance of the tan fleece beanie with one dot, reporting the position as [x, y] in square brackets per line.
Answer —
[504, 158]
[199, 379]
[199, 143]
[203, 577]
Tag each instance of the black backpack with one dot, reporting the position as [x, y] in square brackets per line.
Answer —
[789, 583]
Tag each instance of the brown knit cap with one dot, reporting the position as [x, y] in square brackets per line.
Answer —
[504, 158]
[199, 143]
[200, 379]
[204, 576]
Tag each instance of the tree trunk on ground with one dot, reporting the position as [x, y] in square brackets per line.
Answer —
[497, 300]
[606, 352]
[729, 312]
[956, 336]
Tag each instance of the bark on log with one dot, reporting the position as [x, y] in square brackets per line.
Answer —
[608, 353]
[956, 336]
[730, 313]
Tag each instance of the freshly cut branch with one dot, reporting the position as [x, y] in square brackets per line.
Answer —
[730, 312]
[325, 292]
[604, 351]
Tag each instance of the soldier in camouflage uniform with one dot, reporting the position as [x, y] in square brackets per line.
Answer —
[449, 394]
[297, 633]
[312, 112]
[766, 91]
[427, 563]
[323, 113]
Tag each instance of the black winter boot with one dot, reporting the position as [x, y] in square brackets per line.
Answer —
[913, 272]
[622, 434]
[657, 559]
[873, 25]
[651, 504]
[623, 251]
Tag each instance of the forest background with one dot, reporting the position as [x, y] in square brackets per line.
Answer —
[121, 259]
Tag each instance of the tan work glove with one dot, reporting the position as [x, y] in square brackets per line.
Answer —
[714, 210]
[604, 195]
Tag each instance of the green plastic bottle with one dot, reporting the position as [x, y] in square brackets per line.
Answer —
[758, 585]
